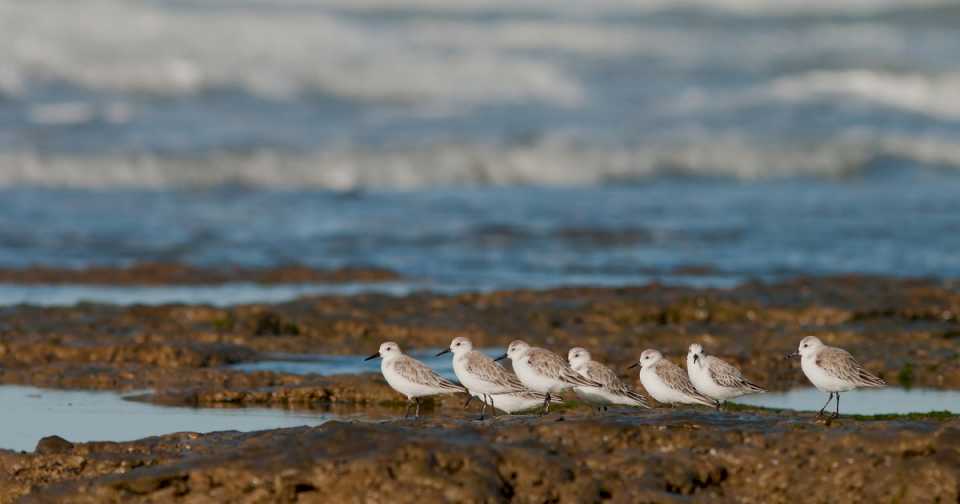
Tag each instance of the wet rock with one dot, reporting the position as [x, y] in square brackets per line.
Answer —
[652, 456]
[158, 273]
[53, 444]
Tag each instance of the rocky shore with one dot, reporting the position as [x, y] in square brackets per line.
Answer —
[905, 330]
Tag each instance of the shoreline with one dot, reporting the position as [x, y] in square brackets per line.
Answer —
[905, 330]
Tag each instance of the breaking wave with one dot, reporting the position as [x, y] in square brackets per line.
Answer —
[556, 163]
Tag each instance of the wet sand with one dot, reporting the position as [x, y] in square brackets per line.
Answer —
[905, 330]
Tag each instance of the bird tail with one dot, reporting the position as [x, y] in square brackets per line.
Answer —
[706, 401]
[867, 379]
[753, 387]
[637, 398]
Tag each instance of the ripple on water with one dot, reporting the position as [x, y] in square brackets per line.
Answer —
[881, 401]
[78, 416]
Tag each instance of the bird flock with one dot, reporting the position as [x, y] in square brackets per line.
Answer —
[539, 377]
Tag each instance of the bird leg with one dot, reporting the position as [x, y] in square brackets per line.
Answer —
[483, 405]
[836, 414]
[493, 409]
[546, 405]
[417, 400]
[406, 411]
[829, 398]
[469, 398]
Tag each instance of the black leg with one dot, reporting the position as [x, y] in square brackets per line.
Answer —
[469, 398]
[483, 405]
[406, 411]
[417, 400]
[836, 414]
[546, 404]
[829, 398]
[493, 409]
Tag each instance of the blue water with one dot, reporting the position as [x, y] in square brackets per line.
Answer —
[484, 238]
[30, 414]
[861, 402]
[326, 365]
[479, 145]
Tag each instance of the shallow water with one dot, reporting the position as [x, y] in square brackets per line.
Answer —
[862, 402]
[241, 293]
[671, 231]
[30, 414]
[352, 364]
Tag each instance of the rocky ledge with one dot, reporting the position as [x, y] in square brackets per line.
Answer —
[644, 456]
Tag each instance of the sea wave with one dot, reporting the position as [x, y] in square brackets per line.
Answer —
[542, 163]
[930, 95]
[111, 45]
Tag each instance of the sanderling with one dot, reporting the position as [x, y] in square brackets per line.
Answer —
[479, 373]
[519, 401]
[667, 382]
[543, 371]
[612, 391]
[411, 377]
[832, 370]
[715, 378]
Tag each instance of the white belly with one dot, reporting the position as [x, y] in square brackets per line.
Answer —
[820, 379]
[512, 403]
[535, 381]
[593, 395]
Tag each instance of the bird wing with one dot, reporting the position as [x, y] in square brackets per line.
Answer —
[677, 379]
[839, 364]
[418, 372]
[485, 368]
[552, 365]
[606, 376]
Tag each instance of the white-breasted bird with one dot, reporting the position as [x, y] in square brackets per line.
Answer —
[667, 382]
[832, 370]
[612, 389]
[543, 371]
[715, 378]
[480, 374]
[411, 377]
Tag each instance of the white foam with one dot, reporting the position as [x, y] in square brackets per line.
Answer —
[932, 95]
[114, 45]
[550, 162]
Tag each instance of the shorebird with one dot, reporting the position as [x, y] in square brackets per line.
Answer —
[666, 382]
[543, 371]
[715, 378]
[480, 374]
[411, 377]
[832, 370]
[611, 391]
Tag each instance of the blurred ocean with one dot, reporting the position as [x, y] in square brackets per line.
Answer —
[533, 142]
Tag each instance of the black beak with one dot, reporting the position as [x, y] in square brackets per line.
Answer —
[634, 365]
[504, 356]
[792, 355]
[374, 356]
[442, 352]
[696, 358]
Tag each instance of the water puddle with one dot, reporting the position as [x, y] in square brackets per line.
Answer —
[862, 402]
[30, 414]
[326, 365]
